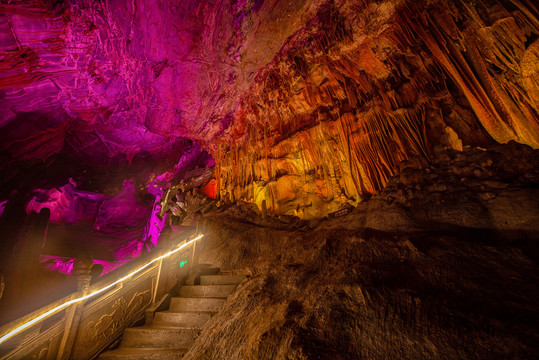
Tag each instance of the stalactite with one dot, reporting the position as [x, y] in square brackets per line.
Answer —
[352, 114]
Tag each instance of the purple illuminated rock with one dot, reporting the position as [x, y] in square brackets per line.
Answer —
[121, 77]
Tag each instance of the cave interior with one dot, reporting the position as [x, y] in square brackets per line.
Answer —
[371, 166]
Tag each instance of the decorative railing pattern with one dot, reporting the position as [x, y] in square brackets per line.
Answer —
[82, 329]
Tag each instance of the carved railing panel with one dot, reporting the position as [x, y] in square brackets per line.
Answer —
[103, 321]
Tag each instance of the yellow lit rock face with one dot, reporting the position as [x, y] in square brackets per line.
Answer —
[529, 66]
[483, 59]
[364, 86]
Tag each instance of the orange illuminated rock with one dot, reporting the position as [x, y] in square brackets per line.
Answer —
[361, 88]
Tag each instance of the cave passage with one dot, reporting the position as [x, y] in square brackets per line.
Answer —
[365, 174]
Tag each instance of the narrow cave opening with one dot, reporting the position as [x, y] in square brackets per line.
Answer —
[107, 214]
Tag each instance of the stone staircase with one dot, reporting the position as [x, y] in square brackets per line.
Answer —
[173, 331]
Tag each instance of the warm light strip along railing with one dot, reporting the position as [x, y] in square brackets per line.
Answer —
[53, 311]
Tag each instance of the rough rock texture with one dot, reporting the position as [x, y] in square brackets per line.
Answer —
[446, 282]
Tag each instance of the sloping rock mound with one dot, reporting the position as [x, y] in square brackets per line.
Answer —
[442, 282]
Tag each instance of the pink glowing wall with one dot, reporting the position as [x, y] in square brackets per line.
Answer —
[109, 78]
[122, 219]
[106, 83]
[65, 265]
[66, 203]
[127, 224]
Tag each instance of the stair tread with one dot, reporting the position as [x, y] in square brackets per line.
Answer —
[160, 327]
[224, 286]
[224, 274]
[144, 353]
[134, 350]
[197, 298]
[207, 291]
[194, 298]
[221, 279]
[163, 336]
[229, 287]
[193, 319]
[207, 269]
[188, 311]
[172, 325]
[196, 304]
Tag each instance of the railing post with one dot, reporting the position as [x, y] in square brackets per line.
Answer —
[196, 249]
[194, 260]
[160, 281]
[81, 269]
[159, 289]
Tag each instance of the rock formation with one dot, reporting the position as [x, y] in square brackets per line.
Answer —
[306, 105]
[414, 116]
[367, 85]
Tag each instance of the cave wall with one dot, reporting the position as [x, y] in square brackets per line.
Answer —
[365, 85]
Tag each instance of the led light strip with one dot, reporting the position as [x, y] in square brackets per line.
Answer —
[45, 315]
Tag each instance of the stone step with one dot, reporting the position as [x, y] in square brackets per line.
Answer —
[158, 337]
[207, 269]
[143, 354]
[195, 304]
[195, 319]
[221, 279]
[207, 291]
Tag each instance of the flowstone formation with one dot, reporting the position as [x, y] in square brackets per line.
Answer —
[365, 85]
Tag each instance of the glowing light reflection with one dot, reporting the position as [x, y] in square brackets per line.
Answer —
[53, 311]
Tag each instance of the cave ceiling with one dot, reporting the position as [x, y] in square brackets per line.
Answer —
[306, 106]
